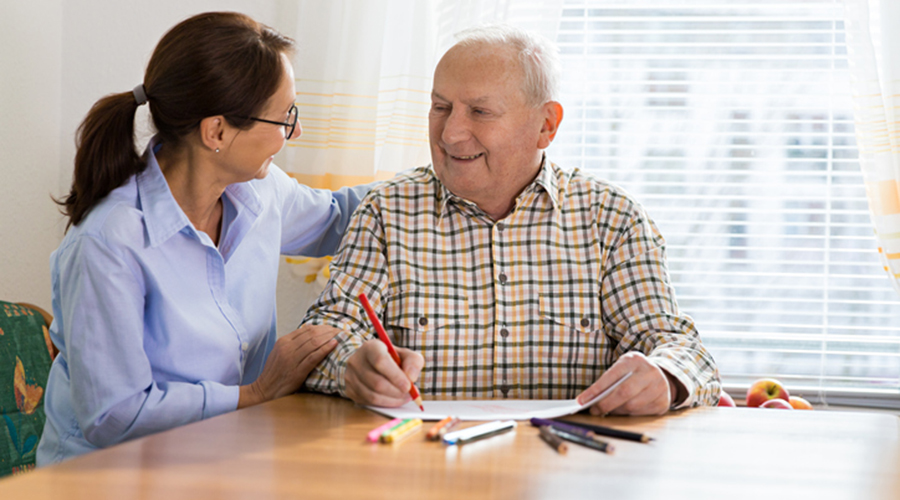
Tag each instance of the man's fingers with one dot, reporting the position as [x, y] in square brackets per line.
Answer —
[382, 362]
[413, 363]
[377, 371]
[654, 404]
[363, 395]
[637, 404]
[369, 387]
[607, 380]
[620, 396]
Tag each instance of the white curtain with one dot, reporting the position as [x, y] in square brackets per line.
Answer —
[363, 73]
[873, 41]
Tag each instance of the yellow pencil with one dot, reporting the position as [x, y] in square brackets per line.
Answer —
[392, 428]
[403, 431]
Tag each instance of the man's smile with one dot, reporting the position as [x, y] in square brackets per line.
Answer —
[471, 157]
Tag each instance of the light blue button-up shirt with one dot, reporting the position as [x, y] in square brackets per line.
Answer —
[156, 326]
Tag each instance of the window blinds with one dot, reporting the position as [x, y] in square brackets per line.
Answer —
[732, 123]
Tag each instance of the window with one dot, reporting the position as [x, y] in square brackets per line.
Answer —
[732, 123]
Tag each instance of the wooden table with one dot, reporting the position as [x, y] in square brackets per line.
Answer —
[313, 446]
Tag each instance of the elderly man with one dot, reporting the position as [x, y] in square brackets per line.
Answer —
[499, 274]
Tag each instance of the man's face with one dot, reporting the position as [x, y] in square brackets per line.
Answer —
[486, 140]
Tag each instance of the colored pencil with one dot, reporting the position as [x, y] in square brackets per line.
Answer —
[381, 334]
[392, 429]
[571, 429]
[403, 431]
[479, 432]
[615, 433]
[583, 441]
[553, 440]
[441, 428]
[375, 433]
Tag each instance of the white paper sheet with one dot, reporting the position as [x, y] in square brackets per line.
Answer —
[494, 409]
[502, 409]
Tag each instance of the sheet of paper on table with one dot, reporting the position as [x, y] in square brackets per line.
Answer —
[493, 409]
[501, 409]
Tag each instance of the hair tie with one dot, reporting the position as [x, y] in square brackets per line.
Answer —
[139, 95]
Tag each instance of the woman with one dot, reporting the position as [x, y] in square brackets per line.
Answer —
[164, 286]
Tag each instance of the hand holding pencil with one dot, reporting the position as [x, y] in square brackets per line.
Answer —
[374, 377]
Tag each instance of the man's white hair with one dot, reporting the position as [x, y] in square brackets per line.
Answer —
[538, 56]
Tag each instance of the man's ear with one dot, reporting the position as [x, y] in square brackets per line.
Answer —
[212, 132]
[553, 115]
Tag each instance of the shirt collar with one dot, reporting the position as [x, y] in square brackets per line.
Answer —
[163, 217]
[546, 179]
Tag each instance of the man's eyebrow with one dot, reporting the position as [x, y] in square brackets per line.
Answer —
[477, 100]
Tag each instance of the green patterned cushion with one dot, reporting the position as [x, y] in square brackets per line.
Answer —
[24, 367]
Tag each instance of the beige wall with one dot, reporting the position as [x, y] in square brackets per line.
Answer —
[30, 117]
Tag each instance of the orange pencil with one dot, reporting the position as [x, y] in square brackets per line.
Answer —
[441, 428]
[379, 330]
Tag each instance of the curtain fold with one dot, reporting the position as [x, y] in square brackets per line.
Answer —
[873, 42]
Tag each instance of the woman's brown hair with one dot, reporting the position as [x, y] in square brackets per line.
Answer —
[217, 63]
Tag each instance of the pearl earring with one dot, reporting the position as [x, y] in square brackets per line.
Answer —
[217, 150]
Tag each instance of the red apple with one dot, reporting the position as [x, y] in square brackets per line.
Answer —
[765, 389]
[726, 400]
[799, 403]
[778, 404]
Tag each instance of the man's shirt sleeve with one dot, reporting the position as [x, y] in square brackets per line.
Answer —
[359, 267]
[640, 311]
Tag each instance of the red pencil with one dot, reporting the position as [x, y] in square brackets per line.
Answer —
[413, 392]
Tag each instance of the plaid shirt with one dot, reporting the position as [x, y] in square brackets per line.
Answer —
[534, 306]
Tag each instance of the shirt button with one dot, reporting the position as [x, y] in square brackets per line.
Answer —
[503, 278]
[504, 333]
[423, 321]
[501, 226]
[585, 322]
[245, 346]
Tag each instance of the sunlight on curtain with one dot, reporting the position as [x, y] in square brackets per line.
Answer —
[363, 81]
[874, 51]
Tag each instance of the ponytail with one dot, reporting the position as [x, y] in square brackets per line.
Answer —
[215, 63]
[106, 155]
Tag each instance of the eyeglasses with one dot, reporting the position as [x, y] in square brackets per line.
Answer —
[289, 125]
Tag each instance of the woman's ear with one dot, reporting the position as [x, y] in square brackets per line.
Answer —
[212, 132]
[552, 115]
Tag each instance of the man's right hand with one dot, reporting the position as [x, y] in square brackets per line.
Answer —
[373, 378]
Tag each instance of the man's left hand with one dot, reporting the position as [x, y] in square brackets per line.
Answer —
[649, 390]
